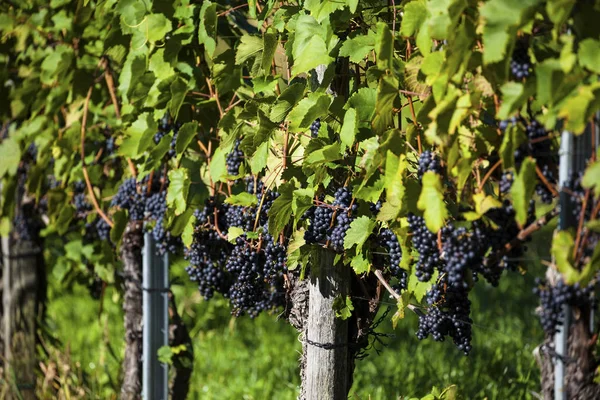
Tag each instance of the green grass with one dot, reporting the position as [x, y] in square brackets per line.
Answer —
[258, 359]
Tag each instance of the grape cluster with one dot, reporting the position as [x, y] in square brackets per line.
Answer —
[249, 271]
[428, 162]
[461, 254]
[314, 128]
[165, 126]
[27, 224]
[506, 182]
[554, 298]
[234, 159]
[146, 201]
[448, 316]
[389, 242]
[504, 124]
[540, 147]
[425, 242]
[520, 62]
[82, 207]
[329, 224]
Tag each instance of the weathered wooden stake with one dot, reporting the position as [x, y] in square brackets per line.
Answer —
[326, 337]
[131, 255]
[21, 286]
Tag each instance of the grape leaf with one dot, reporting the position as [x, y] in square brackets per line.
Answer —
[343, 307]
[522, 189]
[589, 54]
[562, 251]
[431, 201]
[281, 210]
[293, 250]
[358, 233]
[179, 186]
[591, 177]
[309, 48]
[358, 47]
[250, 46]
[186, 134]
[360, 263]
[244, 199]
[10, 154]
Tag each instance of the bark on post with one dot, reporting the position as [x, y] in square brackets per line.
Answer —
[325, 373]
[22, 296]
[131, 255]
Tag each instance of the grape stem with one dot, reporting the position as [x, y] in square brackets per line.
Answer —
[540, 175]
[488, 174]
[395, 295]
[86, 106]
[523, 234]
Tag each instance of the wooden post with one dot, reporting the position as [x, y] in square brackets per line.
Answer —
[326, 337]
[131, 255]
[21, 288]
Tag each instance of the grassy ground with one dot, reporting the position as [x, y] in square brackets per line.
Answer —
[257, 359]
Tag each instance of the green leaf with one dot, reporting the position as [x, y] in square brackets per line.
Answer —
[358, 233]
[485, 203]
[179, 90]
[233, 233]
[384, 47]
[281, 210]
[286, 101]
[10, 154]
[186, 134]
[321, 9]
[591, 268]
[244, 199]
[293, 251]
[179, 186]
[157, 27]
[415, 14]
[363, 101]
[576, 108]
[589, 54]
[307, 110]
[502, 19]
[302, 201]
[326, 154]
[591, 177]
[395, 168]
[513, 96]
[360, 263]
[349, 129]
[562, 251]
[358, 47]
[218, 164]
[207, 29]
[139, 136]
[309, 48]
[270, 42]
[522, 189]
[187, 236]
[258, 161]
[119, 223]
[249, 47]
[64, 218]
[343, 307]
[431, 202]
[387, 93]
[165, 355]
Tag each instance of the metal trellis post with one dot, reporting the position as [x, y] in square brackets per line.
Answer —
[156, 321]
